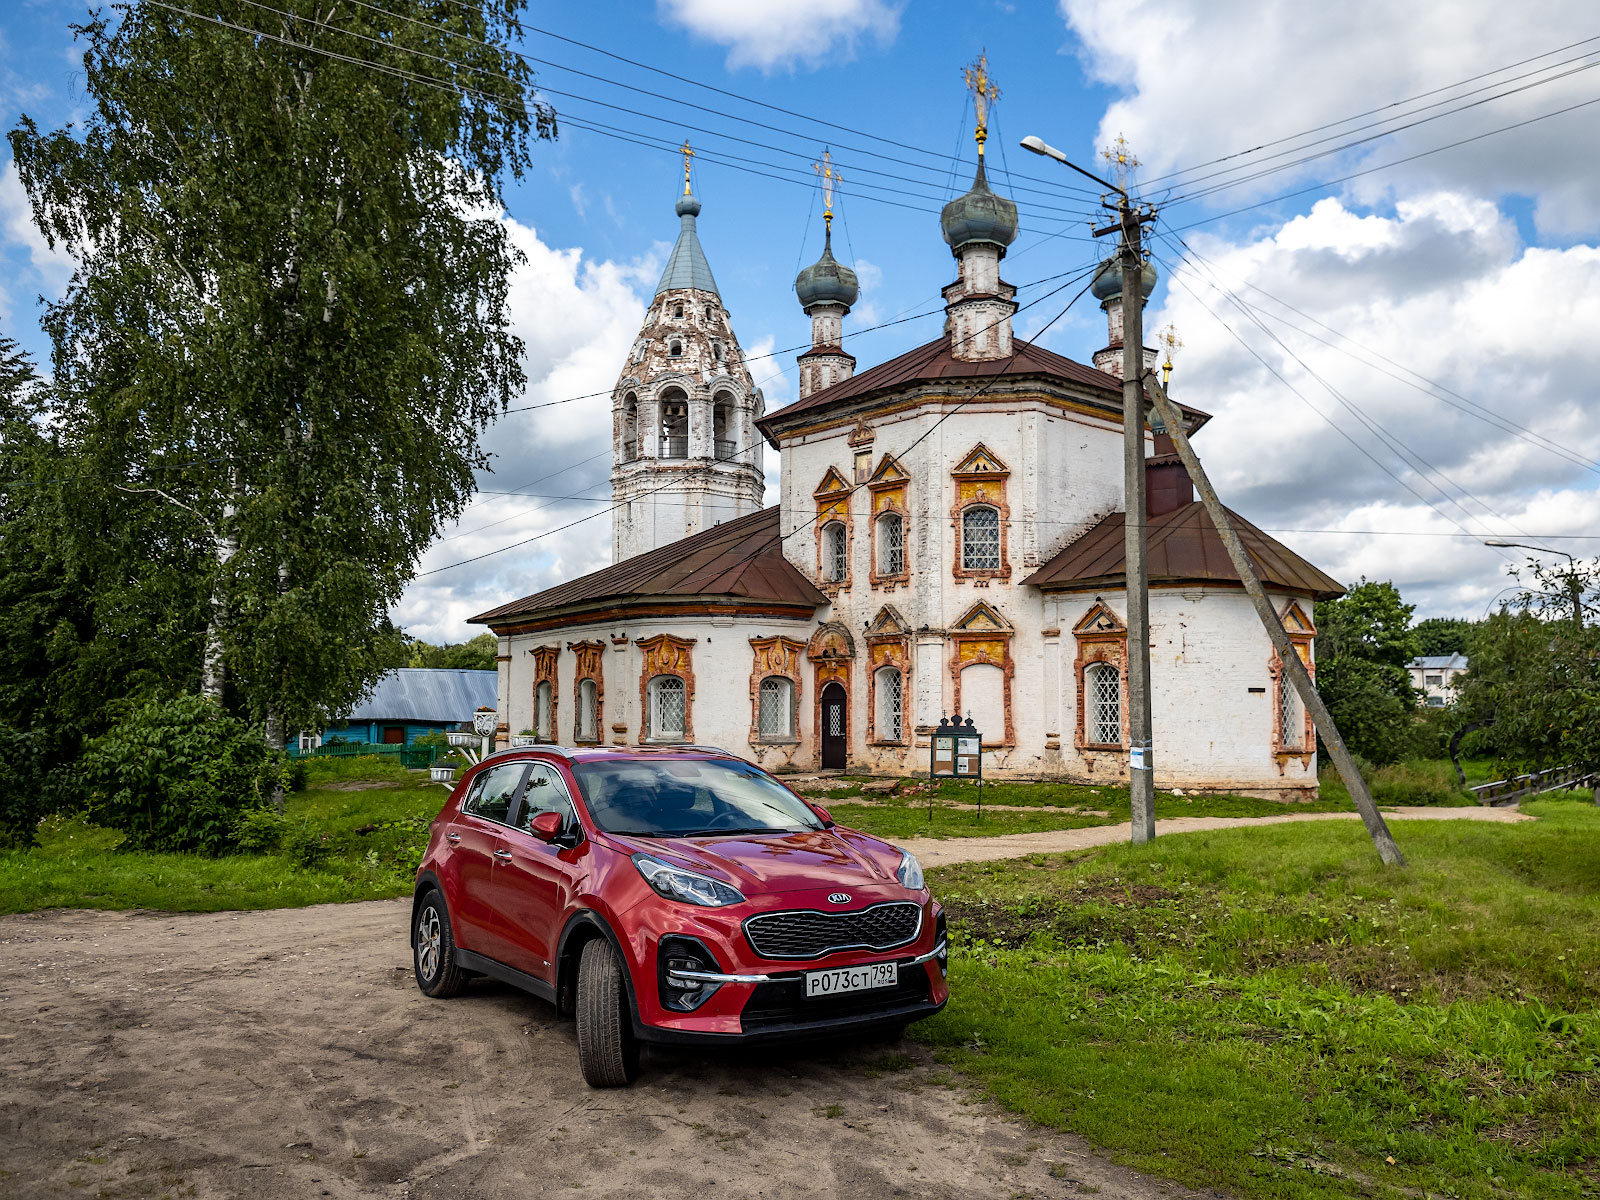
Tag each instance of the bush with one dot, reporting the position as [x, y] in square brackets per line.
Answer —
[260, 830]
[178, 774]
[296, 772]
[305, 846]
[1415, 782]
[22, 795]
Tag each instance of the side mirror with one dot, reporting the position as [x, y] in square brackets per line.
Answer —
[546, 826]
[827, 820]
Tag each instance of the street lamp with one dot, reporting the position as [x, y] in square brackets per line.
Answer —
[1574, 587]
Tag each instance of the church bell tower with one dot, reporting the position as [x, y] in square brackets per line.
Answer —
[686, 454]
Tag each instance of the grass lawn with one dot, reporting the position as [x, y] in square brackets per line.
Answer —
[1272, 1012]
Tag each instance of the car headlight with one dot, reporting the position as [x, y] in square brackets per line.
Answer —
[910, 871]
[690, 887]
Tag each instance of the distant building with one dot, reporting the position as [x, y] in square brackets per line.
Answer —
[405, 704]
[1434, 676]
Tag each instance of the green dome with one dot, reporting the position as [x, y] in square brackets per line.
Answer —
[826, 281]
[979, 216]
[1108, 280]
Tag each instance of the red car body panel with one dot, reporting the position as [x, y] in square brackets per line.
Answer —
[515, 899]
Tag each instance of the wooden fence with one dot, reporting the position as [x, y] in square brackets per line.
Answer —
[412, 757]
[1504, 792]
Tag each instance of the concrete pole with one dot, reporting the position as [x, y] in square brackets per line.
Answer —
[1141, 773]
[1293, 668]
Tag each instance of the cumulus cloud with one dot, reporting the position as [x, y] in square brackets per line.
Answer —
[1201, 81]
[774, 34]
[20, 240]
[1445, 287]
[577, 318]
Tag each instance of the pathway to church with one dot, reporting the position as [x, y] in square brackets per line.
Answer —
[288, 1053]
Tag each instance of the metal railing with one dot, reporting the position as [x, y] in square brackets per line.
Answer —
[674, 447]
[726, 449]
[1503, 792]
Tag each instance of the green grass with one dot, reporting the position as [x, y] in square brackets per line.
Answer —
[1273, 1013]
[359, 844]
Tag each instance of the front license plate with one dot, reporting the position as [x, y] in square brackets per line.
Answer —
[851, 979]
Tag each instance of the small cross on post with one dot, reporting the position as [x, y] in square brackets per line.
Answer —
[984, 94]
[1120, 155]
[687, 155]
[829, 177]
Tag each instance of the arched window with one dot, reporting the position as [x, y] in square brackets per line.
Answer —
[775, 720]
[666, 708]
[630, 427]
[722, 426]
[716, 350]
[541, 711]
[888, 688]
[980, 538]
[835, 564]
[674, 425]
[674, 349]
[588, 707]
[711, 312]
[1292, 729]
[677, 311]
[1102, 702]
[891, 545]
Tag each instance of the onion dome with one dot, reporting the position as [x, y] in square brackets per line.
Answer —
[979, 216]
[1107, 283]
[826, 281]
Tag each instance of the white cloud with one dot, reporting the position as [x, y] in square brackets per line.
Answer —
[781, 34]
[1207, 80]
[18, 233]
[578, 318]
[1446, 288]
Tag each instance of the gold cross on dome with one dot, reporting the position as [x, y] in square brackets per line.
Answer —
[1120, 155]
[829, 177]
[687, 155]
[984, 94]
[1169, 338]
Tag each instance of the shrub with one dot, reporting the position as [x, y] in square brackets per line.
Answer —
[178, 774]
[305, 846]
[22, 795]
[296, 772]
[260, 830]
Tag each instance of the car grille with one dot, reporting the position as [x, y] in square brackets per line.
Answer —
[783, 1001]
[813, 934]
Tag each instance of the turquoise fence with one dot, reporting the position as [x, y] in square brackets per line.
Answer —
[409, 756]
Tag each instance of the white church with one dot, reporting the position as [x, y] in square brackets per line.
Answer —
[948, 539]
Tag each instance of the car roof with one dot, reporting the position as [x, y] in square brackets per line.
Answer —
[577, 754]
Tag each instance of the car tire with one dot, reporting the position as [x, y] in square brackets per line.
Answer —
[608, 1053]
[433, 949]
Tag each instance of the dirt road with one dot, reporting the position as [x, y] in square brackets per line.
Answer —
[289, 1054]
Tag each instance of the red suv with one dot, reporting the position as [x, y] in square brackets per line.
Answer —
[676, 895]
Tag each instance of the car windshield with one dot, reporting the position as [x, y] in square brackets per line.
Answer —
[686, 797]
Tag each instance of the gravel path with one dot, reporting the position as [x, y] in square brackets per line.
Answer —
[941, 852]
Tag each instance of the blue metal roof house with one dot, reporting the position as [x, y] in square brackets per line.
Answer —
[412, 701]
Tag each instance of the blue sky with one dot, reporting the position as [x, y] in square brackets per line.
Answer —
[1451, 266]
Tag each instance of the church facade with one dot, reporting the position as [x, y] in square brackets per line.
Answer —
[947, 540]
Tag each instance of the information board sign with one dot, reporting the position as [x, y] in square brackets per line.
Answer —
[956, 752]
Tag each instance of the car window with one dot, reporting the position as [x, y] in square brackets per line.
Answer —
[546, 792]
[495, 790]
[687, 797]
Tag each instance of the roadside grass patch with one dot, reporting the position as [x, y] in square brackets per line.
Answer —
[1273, 1013]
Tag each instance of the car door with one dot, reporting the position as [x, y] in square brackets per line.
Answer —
[477, 844]
[537, 881]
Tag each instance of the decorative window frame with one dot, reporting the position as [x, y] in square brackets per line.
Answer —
[590, 664]
[832, 652]
[666, 654]
[888, 645]
[833, 504]
[980, 480]
[1302, 633]
[889, 489]
[774, 657]
[984, 637]
[1101, 637]
[545, 662]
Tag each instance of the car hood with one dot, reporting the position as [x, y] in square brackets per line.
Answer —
[782, 862]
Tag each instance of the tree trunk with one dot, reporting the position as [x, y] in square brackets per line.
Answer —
[212, 672]
[274, 735]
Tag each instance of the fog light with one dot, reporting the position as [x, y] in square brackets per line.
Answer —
[675, 956]
[941, 935]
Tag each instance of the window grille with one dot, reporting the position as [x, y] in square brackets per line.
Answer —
[891, 545]
[1292, 727]
[588, 710]
[776, 716]
[1104, 696]
[980, 539]
[834, 562]
[836, 720]
[890, 705]
[667, 709]
[541, 711]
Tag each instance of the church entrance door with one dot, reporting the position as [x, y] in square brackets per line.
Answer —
[834, 728]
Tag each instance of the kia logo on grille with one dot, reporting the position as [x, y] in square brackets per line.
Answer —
[839, 898]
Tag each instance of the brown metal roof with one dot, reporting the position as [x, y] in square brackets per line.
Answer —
[1183, 546]
[933, 362]
[740, 559]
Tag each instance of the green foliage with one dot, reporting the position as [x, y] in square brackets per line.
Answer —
[1414, 782]
[260, 830]
[22, 801]
[1364, 640]
[288, 325]
[177, 775]
[1445, 635]
[478, 654]
[1273, 1014]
